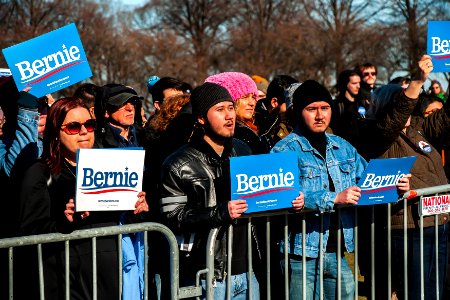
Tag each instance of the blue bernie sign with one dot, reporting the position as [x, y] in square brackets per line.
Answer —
[50, 62]
[266, 181]
[438, 45]
[379, 180]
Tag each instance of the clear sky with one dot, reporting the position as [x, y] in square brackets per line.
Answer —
[133, 2]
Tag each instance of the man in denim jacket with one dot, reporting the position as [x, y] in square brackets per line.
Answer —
[329, 169]
[19, 147]
[21, 134]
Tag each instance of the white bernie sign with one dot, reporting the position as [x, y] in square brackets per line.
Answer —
[108, 179]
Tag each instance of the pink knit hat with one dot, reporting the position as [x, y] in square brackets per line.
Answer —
[238, 84]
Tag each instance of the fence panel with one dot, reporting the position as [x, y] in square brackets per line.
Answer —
[39, 240]
[178, 292]
[374, 264]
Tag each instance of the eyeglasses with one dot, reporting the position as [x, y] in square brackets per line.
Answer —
[370, 73]
[75, 127]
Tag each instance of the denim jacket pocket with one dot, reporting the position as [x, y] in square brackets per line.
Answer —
[310, 178]
[347, 174]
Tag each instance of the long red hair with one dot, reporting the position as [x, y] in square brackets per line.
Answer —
[55, 118]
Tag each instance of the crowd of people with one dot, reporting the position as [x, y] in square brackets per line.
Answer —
[189, 140]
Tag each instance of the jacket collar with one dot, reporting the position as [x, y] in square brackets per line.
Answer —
[306, 146]
[112, 137]
[201, 145]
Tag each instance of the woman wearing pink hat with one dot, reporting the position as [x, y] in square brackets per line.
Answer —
[244, 92]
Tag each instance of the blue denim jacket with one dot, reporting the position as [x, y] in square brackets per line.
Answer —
[26, 134]
[345, 166]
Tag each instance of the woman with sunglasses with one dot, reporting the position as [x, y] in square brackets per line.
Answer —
[46, 205]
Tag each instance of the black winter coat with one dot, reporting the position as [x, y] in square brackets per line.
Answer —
[384, 138]
[42, 204]
[248, 136]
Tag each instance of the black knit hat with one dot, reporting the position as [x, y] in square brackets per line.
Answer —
[207, 95]
[310, 91]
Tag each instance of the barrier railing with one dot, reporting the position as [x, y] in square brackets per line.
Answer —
[374, 294]
[178, 292]
[39, 240]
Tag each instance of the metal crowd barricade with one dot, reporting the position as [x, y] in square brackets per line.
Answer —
[373, 293]
[430, 191]
[176, 291]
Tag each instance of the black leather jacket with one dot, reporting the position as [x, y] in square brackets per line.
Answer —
[195, 190]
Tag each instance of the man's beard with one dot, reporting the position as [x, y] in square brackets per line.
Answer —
[351, 94]
[214, 135]
[307, 131]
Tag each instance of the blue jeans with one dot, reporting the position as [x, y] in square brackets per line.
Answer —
[312, 285]
[239, 288]
[429, 261]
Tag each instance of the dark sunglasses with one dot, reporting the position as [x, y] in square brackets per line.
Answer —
[75, 127]
[370, 73]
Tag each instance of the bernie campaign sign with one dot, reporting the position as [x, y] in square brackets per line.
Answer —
[266, 181]
[379, 180]
[50, 62]
[438, 45]
[105, 186]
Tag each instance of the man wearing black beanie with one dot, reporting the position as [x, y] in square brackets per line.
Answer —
[329, 169]
[195, 192]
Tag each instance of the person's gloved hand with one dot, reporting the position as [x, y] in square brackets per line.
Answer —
[26, 100]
